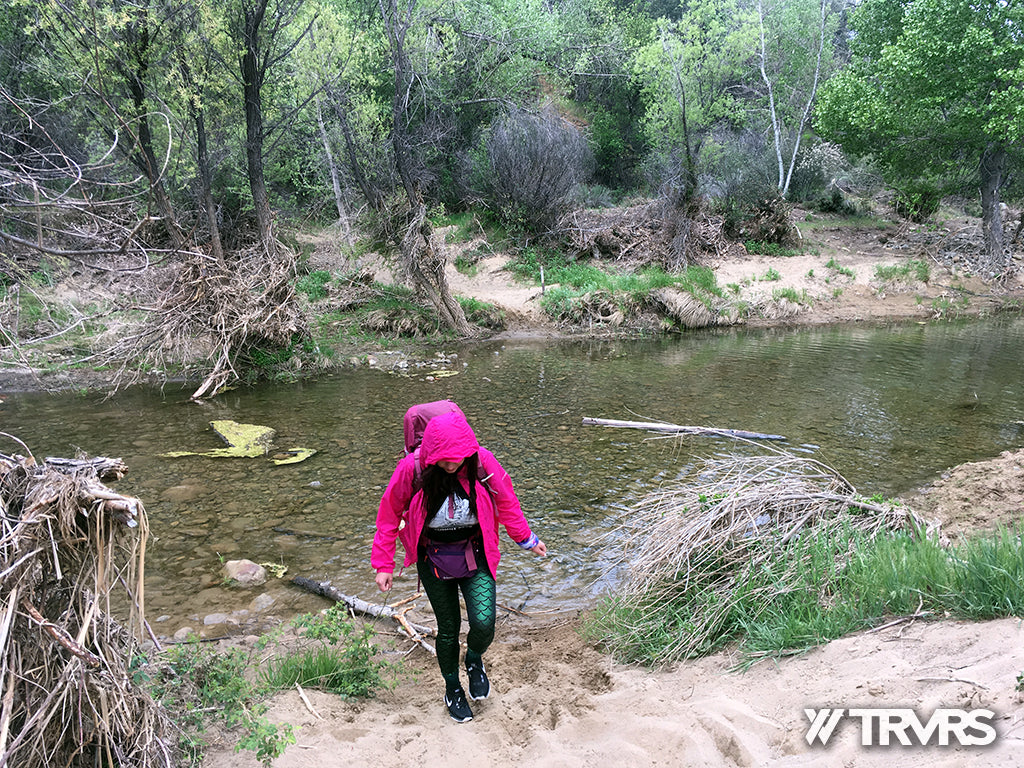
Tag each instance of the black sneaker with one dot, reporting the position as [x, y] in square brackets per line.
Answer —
[458, 707]
[479, 685]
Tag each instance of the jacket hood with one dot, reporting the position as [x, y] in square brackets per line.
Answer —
[448, 437]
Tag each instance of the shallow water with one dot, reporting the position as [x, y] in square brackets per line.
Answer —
[889, 407]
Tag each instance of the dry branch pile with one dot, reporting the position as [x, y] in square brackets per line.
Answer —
[732, 518]
[72, 557]
[237, 305]
[649, 233]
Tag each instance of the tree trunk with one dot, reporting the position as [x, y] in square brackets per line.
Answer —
[993, 175]
[203, 160]
[426, 268]
[332, 166]
[252, 85]
[420, 260]
[371, 191]
[146, 160]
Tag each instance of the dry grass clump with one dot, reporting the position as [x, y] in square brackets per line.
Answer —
[72, 556]
[692, 551]
[231, 307]
[687, 310]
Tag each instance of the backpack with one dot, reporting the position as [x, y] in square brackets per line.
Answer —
[415, 422]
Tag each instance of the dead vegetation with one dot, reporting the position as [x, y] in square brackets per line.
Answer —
[230, 306]
[731, 517]
[652, 232]
[73, 555]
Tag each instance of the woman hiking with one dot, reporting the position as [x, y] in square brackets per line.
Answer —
[451, 533]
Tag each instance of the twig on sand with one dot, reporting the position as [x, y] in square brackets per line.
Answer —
[305, 700]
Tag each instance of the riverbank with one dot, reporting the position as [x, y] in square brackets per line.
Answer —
[557, 701]
[868, 270]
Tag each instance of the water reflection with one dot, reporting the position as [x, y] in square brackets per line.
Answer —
[890, 408]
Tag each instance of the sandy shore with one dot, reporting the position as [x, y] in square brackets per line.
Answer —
[559, 703]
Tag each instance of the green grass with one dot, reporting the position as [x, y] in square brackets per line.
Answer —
[201, 686]
[198, 685]
[769, 249]
[791, 294]
[627, 291]
[571, 282]
[913, 270]
[314, 285]
[833, 222]
[464, 227]
[835, 266]
[821, 587]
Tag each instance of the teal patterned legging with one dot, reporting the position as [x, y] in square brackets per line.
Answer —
[479, 593]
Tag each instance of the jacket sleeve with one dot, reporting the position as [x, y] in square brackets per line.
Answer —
[506, 503]
[390, 514]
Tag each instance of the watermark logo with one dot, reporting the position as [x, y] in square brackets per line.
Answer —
[887, 726]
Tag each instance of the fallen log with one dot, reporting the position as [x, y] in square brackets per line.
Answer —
[416, 632]
[657, 426]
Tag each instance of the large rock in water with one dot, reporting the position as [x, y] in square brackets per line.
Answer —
[244, 573]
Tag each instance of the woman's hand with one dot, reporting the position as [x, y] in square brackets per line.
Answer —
[541, 549]
[384, 580]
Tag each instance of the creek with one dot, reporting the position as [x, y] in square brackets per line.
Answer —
[889, 407]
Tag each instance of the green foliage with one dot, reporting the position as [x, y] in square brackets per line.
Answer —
[314, 285]
[769, 249]
[915, 269]
[197, 684]
[348, 670]
[948, 307]
[464, 227]
[482, 313]
[917, 199]
[580, 284]
[200, 685]
[820, 587]
[771, 274]
[932, 85]
[835, 266]
[790, 294]
[686, 68]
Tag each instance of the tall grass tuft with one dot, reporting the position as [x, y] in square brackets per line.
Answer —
[778, 554]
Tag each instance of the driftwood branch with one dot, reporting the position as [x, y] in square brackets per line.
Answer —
[657, 426]
[416, 632]
[61, 636]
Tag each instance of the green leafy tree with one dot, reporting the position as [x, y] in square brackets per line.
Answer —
[688, 69]
[935, 86]
[113, 53]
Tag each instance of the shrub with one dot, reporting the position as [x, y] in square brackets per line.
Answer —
[917, 199]
[535, 162]
[314, 285]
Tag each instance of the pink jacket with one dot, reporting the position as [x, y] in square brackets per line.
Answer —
[448, 437]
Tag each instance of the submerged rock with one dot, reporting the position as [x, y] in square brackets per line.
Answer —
[244, 573]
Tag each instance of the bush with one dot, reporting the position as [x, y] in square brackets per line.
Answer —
[535, 163]
[917, 199]
[818, 168]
